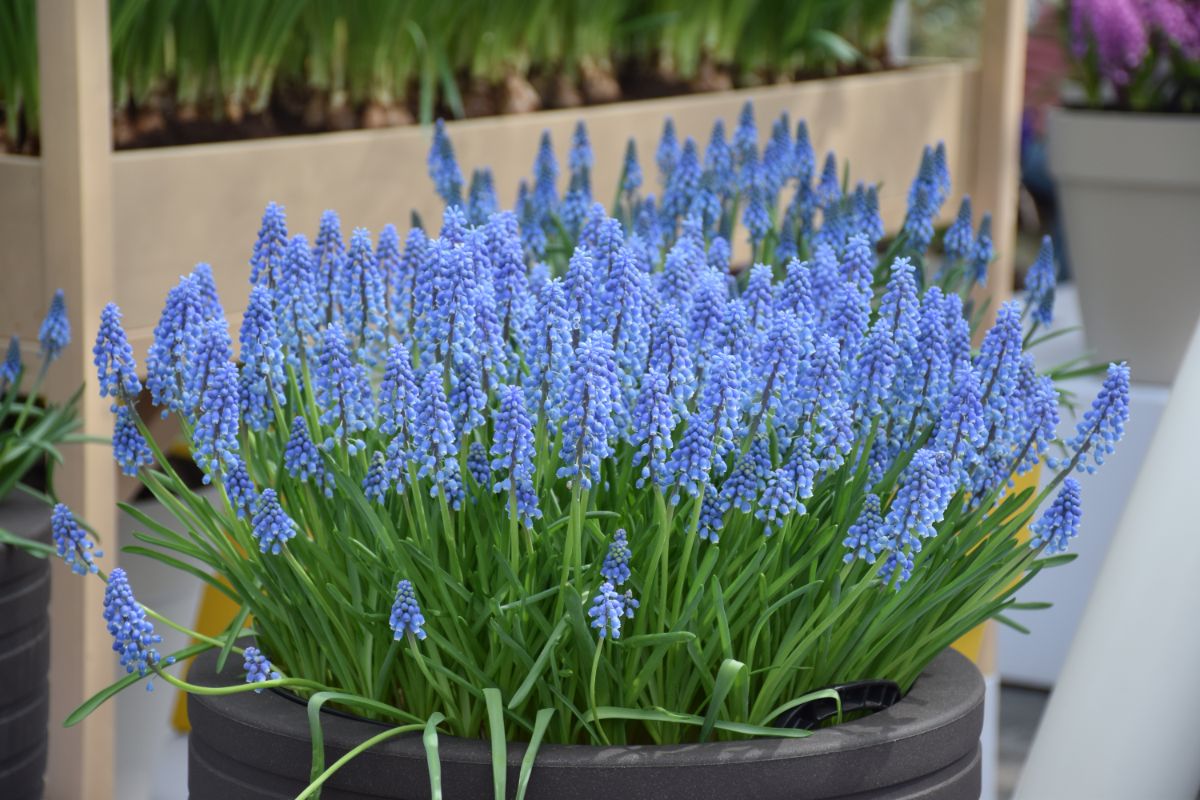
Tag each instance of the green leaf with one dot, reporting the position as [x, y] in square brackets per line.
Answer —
[314, 788]
[31, 546]
[669, 717]
[726, 675]
[539, 665]
[495, 713]
[231, 636]
[655, 639]
[430, 739]
[98, 699]
[539, 730]
[1016, 626]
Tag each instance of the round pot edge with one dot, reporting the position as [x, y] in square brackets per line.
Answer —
[945, 695]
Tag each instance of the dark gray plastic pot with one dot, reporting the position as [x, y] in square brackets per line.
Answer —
[24, 653]
[926, 746]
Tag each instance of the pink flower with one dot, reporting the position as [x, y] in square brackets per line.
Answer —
[1117, 32]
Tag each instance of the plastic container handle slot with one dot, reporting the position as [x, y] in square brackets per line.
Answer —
[857, 696]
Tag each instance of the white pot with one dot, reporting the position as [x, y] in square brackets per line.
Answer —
[1129, 193]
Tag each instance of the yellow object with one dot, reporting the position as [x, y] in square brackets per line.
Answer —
[213, 617]
[979, 644]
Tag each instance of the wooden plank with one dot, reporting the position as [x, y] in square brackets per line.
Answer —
[997, 159]
[77, 251]
[25, 292]
[177, 206]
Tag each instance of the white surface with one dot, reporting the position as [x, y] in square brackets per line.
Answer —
[1136, 650]
[989, 737]
[1036, 659]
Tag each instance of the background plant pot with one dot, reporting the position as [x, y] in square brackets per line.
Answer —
[24, 652]
[1129, 189]
[926, 746]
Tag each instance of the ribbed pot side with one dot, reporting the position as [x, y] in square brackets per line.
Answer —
[251, 745]
[1129, 195]
[24, 655]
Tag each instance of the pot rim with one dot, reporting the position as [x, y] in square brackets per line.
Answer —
[942, 701]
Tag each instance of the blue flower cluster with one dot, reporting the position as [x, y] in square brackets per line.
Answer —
[133, 635]
[55, 332]
[406, 612]
[258, 667]
[72, 542]
[524, 352]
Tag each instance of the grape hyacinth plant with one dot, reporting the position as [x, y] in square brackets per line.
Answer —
[597, 476]
[31, 432]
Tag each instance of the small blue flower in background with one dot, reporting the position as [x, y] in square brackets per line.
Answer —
[434, 440]
[592, 401]
[960, 236]
[303, 460]
[270, 249]
[481, 197]
[406, 612]
[55, 333]
[654, 421]
[272, 527]
[1040, 284]
[130, 448]
[343, 390]
[615, 567]
[327, 256]
[478, 466]
[113, 358]
[962, 429]
[11, 368]
[983, 252]
[829, 187]
[361, 294]
[378, 480]
[866, 538]
[215, 439]
[514, 451]
[683, 184]
[631, 171]
[920, 503]
[1060, 523]
[261, 380]
[748, 478]
[668, 151]
[718, 161]
[170, 358]
[545, 180]
[133, 635]
[712, 517]
[804, 159]
[72, 542]
[712, 429]
[242, 494]
[212, 349]
[258, 667]
[1039, 420]
[757, 217]
[608, 609]
[206, 286]
[778, 500]
[1103, 425]
[443, 168]
[999, 362]
[745, 147]
[874, 371]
